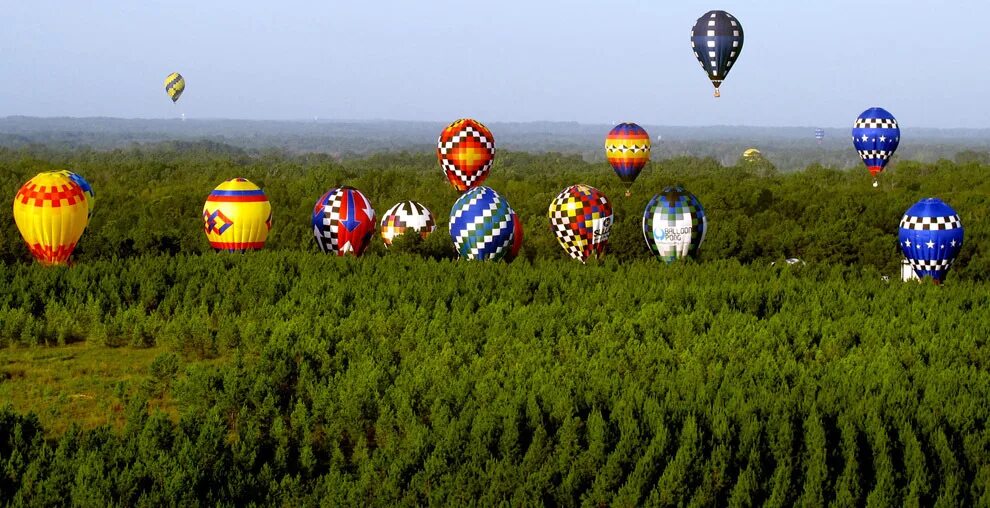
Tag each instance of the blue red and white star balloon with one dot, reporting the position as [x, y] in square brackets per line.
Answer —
[931, 236]
[876, 136]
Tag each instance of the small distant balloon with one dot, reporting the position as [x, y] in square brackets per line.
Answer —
[175, 84]
[752, 155]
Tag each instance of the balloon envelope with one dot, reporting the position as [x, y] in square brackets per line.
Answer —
[87, 189]
[876, 136]
[466, 151]
[406, 216]
[517, 237]
[627, 148]
[175, 84]
[51, 212]
[343, 221]
[752, 155]
[717, 40]
[482, 225]
[674, 224]
[931, 236]
[581, 218]
[237, 216]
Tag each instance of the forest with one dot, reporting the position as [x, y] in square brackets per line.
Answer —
[407, 377]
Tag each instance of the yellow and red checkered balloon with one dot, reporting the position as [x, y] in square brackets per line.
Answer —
[581, 218]
[51, 212]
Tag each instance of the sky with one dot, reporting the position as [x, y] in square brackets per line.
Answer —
[602, 61]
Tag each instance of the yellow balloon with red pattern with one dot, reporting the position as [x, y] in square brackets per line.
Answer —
[51, 212]
[237, 216]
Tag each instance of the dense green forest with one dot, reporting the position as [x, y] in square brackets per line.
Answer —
[407, 377]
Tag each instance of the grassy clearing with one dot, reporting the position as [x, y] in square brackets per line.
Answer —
[80, 383]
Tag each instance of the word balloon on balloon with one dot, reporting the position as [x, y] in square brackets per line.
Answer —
[581, 218]
[674, 224]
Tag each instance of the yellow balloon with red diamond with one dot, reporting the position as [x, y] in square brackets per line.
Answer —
[237, 216]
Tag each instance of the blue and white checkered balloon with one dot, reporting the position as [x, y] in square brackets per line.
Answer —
[481, 225]
[931, 236]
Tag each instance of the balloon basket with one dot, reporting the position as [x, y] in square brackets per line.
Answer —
[876, 183]
[717, 94]
[628, 193]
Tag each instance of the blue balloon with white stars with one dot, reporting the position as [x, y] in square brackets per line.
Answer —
[876, 136]
[931, 236]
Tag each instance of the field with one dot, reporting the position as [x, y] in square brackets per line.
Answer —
[154, 372]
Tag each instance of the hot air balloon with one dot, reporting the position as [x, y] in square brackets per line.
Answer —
[343, 221]
[581, 217]
[87, 189]
[717, 40]
[674, 224]
[237, 216]
[406, 216]
[517, 237]
[876, 136]
[819, 135]
[627, 148]
[752, 155]
[482, 225]
[466, 150]
[931, 236]
[51, 212]
[175, 84]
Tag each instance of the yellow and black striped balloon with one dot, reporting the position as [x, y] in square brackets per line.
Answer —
[175, 84]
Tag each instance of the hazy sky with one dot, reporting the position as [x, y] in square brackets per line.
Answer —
[804, 62]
